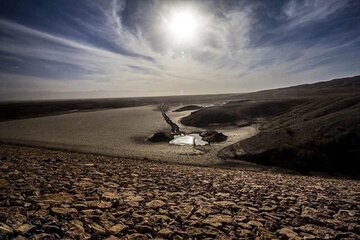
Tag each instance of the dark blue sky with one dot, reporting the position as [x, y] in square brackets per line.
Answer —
[134, 48]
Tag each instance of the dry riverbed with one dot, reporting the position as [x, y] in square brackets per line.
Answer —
[117, 132]
[52, 194]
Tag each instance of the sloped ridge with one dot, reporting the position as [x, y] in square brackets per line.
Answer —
[235, 111]
[321, 136]
[187, 108]
[348, 82]
[333, 87]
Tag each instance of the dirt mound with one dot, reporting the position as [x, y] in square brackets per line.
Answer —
[322, 135]
[161, 137]
[236, 111]
[213, 136]
[188, 108]
[209, 116]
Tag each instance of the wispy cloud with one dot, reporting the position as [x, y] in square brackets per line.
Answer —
[303, 12]
[238, 47]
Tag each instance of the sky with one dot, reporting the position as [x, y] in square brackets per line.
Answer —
[118, 48]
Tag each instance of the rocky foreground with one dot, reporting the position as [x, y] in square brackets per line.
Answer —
[48, 194]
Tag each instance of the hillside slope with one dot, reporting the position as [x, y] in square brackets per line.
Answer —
[321, 135]
[311, 127]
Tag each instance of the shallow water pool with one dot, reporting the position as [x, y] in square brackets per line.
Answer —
[190, 139]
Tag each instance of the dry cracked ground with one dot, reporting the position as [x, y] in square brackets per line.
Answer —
[49, 194]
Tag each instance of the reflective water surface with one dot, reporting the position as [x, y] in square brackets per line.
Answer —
[190, 139]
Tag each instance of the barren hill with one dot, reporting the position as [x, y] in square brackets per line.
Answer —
[312, 127]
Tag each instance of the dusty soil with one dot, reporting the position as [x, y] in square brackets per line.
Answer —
[51, 194]
[118, 132]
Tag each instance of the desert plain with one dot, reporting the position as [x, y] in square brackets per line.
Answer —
[287, 167]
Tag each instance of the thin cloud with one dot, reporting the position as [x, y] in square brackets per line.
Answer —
[130, 52]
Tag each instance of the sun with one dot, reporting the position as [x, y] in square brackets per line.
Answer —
[183, 25]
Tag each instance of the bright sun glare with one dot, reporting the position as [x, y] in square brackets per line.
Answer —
[183, 25]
